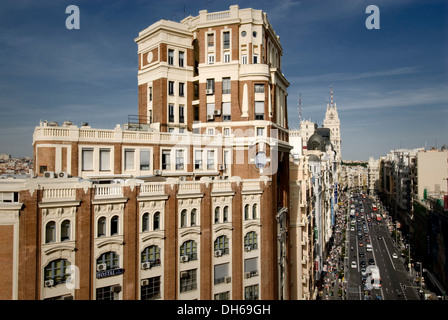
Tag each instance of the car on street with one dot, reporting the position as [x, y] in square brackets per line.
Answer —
[362, 263]
[354, 265]
[361, 254]
[394, 255]
[371, 261]
[361, 244]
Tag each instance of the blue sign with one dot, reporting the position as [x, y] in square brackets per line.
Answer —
[109, 273]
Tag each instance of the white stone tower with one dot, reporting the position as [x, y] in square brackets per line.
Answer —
[332, 122]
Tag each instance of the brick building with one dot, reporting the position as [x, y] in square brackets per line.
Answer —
[188, 200]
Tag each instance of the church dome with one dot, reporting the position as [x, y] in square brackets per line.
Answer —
[316, 142]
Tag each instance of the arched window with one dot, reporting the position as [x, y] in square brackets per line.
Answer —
[222, 244]
[57, 271]
[251, 241]
[217, 209]
[145, 222]
[109, 259]
[246, 212]
[156, 221]
[65, 230]
[151, 254]
[193, 217]
[101, 227]
[50, 232]
[189, 248]
[183, 218]
[114, 225]
[255, 211]
[225, 215]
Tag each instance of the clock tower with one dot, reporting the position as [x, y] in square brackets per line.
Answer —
[332, 122]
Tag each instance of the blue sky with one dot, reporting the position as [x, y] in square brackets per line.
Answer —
[390, 85]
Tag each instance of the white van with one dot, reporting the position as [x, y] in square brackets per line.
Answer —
[369, 247]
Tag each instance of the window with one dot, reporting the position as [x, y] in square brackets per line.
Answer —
[255, 57]
[222, 296]
[255, 211]
[151, 254]
[110, 259]
[217, 211]
[181, 89]
[210, 159]
[151, 289]
[211, 85]
[189, 248]
[144, 159]
[181, 114]
[193, 217]
[244, 59]
[221, 272]
[251, 292]
[188, 280]
[170, 113]
[260, 132]
[183, 218]
[259, 88]
[105, 293]
[210, 40]
[181, 58]
[58, 271]
[259, 110]
[101, 227]
[171, 57]
[225, 85]
[226, 57]
[251, 267]
[211, 58]
[210, 110]
[156, 221]
[198, 159]
[42, 169]
[150, 93]
[226, 40]
[222, 244]
[129, 159]
[226, 111]
[65, 230]
[225, 215]
[171, 88]
[114, 226]
[166, 161]
[50, 232]
[145, 222]
[87, 159]
[179, 159]
[226, 131]
[246, 212]
[251, 240]
[104, 159]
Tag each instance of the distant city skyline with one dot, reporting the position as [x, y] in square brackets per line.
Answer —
[390, 85]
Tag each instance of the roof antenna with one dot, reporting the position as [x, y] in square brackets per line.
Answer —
[300, 111]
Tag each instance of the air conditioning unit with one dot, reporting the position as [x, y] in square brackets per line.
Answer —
[63, 174]
[67, 297]
[115, 289]
[49, 283]
[144, 282]
[210, 117]
[247, 248]
[184, 274]
[49, 174]
[221, 167]
[218, 253]
[228, 279]
[208, 91]
[217, 112]
[184, 258]
[158, 172]
[247, 275]
[146, 265]
[101, 267]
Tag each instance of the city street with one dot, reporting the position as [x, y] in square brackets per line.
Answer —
[370, 245]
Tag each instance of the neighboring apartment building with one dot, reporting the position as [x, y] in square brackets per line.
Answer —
[188, 200]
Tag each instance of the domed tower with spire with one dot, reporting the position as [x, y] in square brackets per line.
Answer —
[332, 122]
